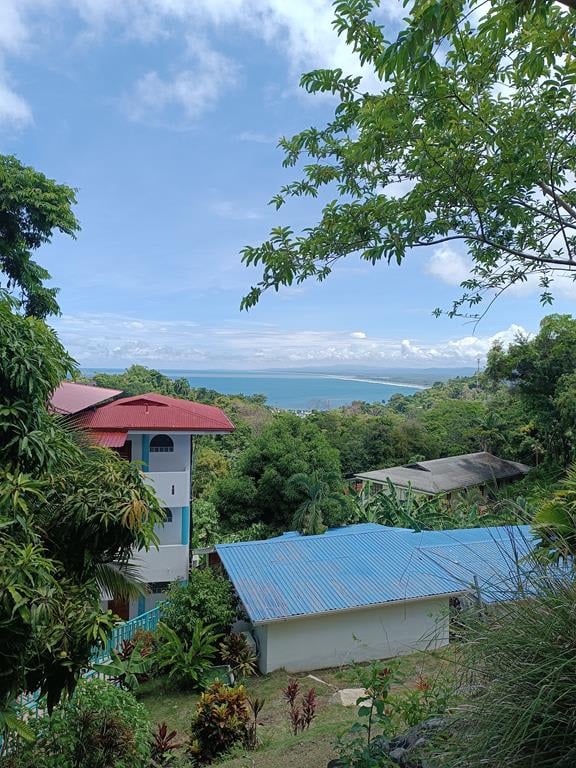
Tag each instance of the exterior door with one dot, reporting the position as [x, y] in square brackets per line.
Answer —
[120, 607]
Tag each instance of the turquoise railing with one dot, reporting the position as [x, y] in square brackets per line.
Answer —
[146, 621]
[35, 706]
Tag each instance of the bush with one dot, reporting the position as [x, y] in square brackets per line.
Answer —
[235, 651]
[100, 726]
[222, 719]
[520, 664]
[186, 663]
[207, 596]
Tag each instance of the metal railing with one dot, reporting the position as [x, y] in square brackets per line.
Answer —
[34, 705]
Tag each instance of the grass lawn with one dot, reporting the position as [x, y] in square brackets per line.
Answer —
[279, 748]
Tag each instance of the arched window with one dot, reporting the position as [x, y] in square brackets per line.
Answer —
[167, 515]
[161, 444]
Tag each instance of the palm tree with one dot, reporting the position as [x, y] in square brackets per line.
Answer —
[316, 491]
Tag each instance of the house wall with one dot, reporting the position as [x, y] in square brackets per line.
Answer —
[171, 532]
[177, 461]
[329, 640]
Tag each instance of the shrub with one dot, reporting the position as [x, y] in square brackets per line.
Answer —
[163, 746]
[100, 726]
[128, 667]
[431, 697]
[235, 651]
[301, 715]
[222, 719]
[207, 596]
[186, 663]
[520, 663]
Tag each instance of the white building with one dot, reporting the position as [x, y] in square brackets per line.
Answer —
[365, 591]
[157, 432]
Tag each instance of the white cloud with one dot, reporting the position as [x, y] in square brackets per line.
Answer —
[14, 110]
[194, 90]
[116, 340]
[299, 30]
[228, 209]
[258, 138]
[449, 265]
[453, 267]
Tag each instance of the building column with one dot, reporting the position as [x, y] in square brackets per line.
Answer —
[146, 453]
[185, 533]
[141, 605]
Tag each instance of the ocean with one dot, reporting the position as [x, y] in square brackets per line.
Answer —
[297, 391]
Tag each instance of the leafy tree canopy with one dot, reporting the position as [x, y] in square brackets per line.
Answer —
[541, 374]
[32, 207]
[70, 515]
[259, 490]
[469, 140]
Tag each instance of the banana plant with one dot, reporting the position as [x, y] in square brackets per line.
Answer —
[126, 671]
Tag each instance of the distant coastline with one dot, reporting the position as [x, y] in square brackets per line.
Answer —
[375, 381]
[298, 390]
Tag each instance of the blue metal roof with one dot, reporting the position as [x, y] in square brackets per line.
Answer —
[359, 566]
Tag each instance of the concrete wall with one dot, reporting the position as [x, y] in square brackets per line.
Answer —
[171, 533]
[167, 563]
[177, 461]
[329, 640]
[172, 488]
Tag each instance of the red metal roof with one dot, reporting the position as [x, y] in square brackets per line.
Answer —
[70, 397]
[108, 439]
[157, 413]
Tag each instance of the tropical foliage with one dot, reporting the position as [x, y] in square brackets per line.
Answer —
[70, 514]
[520, 663]
[221, 720]
[207, 596]
[32, 208]
[259, 489]
[320, 496]
[100, 726]
[186, 662]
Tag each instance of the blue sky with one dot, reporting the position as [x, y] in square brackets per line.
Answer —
[165, 115]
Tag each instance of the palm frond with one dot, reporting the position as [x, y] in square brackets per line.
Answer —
[121, 580]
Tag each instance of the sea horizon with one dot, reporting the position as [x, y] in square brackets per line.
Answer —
[296, 390]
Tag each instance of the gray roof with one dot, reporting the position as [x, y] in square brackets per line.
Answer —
[450, 473]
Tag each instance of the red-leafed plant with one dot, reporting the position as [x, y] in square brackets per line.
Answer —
[301, 715]
[163, 746]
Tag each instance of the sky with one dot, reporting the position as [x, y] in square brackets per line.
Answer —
[165, 116]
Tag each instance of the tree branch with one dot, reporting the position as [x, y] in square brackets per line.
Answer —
[558, 198]
[486, 241]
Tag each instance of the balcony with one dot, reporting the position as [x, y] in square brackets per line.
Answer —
[172, 488]
[167, 563]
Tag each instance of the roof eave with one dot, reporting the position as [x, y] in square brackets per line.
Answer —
[402, 601]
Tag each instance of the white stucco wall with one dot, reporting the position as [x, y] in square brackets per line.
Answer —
[167, 563]
[171, 533]
[329, 640]
[176, 461]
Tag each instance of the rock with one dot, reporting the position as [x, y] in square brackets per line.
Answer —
[379, 746]
[336, 764]
[398, 755]
[419, 733]
[348, 697]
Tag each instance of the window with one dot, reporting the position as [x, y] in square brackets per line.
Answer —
[157, 587]
[161, 444]
[168, 515]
